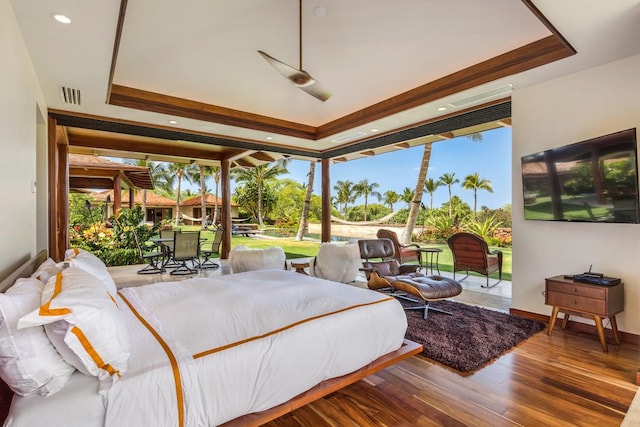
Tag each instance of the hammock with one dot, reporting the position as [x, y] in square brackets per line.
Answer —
[193, 219]
[374, 222]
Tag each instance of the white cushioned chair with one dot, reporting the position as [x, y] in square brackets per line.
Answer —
[242, 258]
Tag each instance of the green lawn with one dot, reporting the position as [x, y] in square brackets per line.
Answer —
[308, 248]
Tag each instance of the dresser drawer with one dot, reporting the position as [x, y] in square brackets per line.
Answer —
[577, 303]
[573, 289]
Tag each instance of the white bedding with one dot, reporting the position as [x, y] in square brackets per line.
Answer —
[206, 351]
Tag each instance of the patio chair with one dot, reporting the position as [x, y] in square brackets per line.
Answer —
[471, 253]
[167, 241]
[403, 253]
[186, 247]
[403, 279]
[153, 258]
[209, 249]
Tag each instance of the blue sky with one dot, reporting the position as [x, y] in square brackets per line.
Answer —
[491, 158]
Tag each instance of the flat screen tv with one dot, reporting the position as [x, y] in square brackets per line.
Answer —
[591, 181]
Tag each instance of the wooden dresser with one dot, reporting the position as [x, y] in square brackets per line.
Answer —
[585, 300]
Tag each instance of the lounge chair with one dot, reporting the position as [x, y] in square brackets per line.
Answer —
[403, 253]
[471, 253]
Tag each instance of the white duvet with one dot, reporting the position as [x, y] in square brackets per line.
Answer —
[208, 350]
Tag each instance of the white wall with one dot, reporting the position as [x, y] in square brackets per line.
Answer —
[570, 109]
[20, 100]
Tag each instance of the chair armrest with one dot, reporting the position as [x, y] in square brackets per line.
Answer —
[368, 269]
[497, 252]
[410, 245]
[408, 268]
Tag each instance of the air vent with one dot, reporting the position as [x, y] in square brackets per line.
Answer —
[482, 96]
[348, 137]
[70, 96]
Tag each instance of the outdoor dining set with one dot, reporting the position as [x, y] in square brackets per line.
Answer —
[180, 252]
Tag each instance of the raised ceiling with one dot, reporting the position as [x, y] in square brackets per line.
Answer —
[391, 66]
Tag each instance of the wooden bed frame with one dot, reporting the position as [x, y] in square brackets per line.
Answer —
[408, 349]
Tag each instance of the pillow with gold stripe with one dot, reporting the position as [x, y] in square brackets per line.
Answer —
[91, 264]
[29, 363]
[84, 323]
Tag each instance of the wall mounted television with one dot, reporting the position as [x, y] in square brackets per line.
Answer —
[590, 181]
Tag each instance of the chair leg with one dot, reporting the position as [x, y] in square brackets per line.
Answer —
[183, 269]
[152, 268]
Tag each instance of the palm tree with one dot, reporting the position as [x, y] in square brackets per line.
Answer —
[304, 217]
[345, 194]
[260, 175]
[178, 171]
[430, 186]
[407, 196]
[390, 197]
[201, 175]
[156, 170]
[416, 202]
[475, 183]
[363, 188]
[449, 179]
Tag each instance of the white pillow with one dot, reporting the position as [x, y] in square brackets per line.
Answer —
[84, 323]
[242, 258]
[28, 362]
[46, 270]
[91, 264]
[337, 262]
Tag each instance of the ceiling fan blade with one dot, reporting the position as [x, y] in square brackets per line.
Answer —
[299, 78]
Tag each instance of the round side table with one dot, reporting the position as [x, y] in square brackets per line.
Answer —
[427, 260]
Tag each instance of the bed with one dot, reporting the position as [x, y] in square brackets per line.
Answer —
[240, 349]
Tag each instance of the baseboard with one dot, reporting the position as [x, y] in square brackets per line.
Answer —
[577, 326]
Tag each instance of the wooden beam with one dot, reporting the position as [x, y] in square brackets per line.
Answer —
[262, 156]
[120, 144]
[402, 145]
[239, 154]
[369, 153]
[505, 122]
[117, 194]
[78, 182]
[326, 200]
[225, 209]
[160, 103]
[340, 159]
[447, 135]
[532, 55]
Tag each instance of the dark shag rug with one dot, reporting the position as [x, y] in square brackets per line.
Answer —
[469, 338]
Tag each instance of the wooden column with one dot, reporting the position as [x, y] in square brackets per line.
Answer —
[225, 211]
[131, 195]
[58, 171]
[326, 200]
[117, 194]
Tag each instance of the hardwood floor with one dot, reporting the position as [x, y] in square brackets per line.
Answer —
[559, 380]
[564, 379]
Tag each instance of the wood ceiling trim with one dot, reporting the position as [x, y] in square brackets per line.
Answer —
[120, 144]
[532, 55]
[76, 182]
[524, 58]
[159, 103]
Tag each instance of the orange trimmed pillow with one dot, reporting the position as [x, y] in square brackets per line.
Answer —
[29, 363]
[84, 323]
[91, 264]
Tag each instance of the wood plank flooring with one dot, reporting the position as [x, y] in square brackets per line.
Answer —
[559, 380]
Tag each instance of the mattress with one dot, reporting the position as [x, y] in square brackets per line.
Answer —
[208, 350]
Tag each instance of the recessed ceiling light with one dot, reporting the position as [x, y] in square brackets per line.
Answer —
[173, 122]
[374, 130]
[62, 18]
[442, 108]
[269, 138]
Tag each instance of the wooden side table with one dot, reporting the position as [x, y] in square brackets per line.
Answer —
[586, 300]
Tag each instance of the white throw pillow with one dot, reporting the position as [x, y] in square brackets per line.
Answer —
[91, 264]
[46, 270]
[84, 323]
[337, 262]
[28, 361]
[242, 258]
